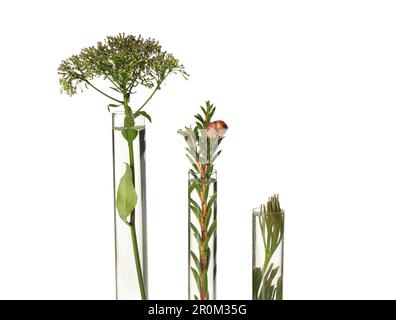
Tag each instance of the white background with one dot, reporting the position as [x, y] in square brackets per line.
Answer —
[308, 90]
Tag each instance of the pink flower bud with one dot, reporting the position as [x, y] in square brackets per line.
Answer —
[221, 128]
[211, 131]
[221, 133]
[216, 129]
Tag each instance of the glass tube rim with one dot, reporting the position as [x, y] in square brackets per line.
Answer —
[258, 212]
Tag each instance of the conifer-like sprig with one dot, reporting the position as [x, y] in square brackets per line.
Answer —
[268, 280]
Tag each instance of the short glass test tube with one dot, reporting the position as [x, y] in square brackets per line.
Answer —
[268, 236]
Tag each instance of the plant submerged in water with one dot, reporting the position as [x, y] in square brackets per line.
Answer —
[202, 150]
[126, 63]
[268, 280]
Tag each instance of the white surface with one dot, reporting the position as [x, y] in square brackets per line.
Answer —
[308, 90]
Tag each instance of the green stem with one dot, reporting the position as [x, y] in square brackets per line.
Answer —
[132, 222]
[137, 262]
[131, 157]
[267, 260]
[105, 94]
[270, 246]
[149, 98]
[204, 292]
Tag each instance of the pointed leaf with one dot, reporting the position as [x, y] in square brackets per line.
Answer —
[199, 118]
[129, 132]
[279, 289]
[208, 257]
[216, 155]
[212, 229]
[196, 276]
[126, 194]
[111, 105]
[144, 114]
[212, 200]
[196, 261]
[210, 210]
[196, 211]
[211, 113]
[257, 278]
[208, 216]
[195, 232]
[191, 187]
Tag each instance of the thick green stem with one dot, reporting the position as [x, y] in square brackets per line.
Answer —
[137, 262]
[132, 222]
[131, 157]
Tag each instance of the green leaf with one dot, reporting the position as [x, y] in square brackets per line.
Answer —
[192, 162]
[207, 190]
[210, 233]
[212, 200]
[273, 274]
[210, 210]
[196, 209]
[144, 114]
[268, 271]
[191, 187]
[195, 232]
[212, 113]
[208, 216]
[111, 105]
[208, 257]
[129, 134]
[205, 283]
[196, 261]
[126, 195]
[216, 155]
[196, 276]
[196, 212]
[199, 118]
[279, 289]
[257, 280]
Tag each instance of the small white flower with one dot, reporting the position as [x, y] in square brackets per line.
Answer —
[211, 132]
[221, 133]
[216, 129]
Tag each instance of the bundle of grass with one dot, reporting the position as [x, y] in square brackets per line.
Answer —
[268, 220]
